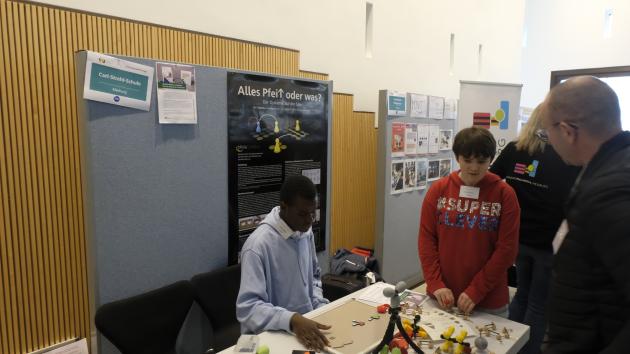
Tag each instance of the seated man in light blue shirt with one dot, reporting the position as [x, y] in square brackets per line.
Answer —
[280, 275]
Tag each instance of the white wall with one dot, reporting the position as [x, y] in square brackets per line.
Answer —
[569, 34]
[411, 37]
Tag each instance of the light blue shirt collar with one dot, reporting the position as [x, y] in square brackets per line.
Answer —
[274, 220]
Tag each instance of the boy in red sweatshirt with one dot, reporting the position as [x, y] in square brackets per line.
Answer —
[469, 226]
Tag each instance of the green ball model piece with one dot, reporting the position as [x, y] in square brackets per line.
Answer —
[384, 350]
[263, 349]
[396, 351]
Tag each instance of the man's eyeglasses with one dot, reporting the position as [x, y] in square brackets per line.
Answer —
[544, 136]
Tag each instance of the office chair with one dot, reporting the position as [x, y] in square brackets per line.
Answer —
[148, 323]
[216, 293]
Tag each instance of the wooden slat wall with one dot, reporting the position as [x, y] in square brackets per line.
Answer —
[43, 246]
[43, 277]
[353, 176]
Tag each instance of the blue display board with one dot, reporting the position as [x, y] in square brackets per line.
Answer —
[156, 196]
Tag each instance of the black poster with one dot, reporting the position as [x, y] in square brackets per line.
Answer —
[276, 128]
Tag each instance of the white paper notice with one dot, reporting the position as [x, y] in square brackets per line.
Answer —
[177, 97]
[374, 294]
[450, 108]
[411, 138]
[436, 107]
[418, 105]
[434, 139]
[423, 139]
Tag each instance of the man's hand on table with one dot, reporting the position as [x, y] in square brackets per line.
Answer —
[308, 332]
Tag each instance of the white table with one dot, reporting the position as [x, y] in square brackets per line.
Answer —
[284, 343]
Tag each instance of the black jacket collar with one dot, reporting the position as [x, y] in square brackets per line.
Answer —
[599, 160]
[606, 151]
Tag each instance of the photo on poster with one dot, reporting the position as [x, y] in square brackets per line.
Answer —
[450, 108]
[418, 105]
[398, 139]
[187, 77]
[446, 139]
[175, 76]
[410, 175]
[421, 173]
[423, 139]
[398, 171]
[167, 74]
[434, 170]
[250, 222]
[445, 167]
[396, 103]
[411, 138]
[436, 107]
[434, 139]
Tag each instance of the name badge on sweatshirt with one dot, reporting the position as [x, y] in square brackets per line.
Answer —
[469, 192]
[560, 235]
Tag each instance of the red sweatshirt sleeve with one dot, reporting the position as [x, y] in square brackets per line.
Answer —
[505, 249]
[428, 240]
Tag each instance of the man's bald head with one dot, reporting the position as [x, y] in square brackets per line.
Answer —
[587, 102]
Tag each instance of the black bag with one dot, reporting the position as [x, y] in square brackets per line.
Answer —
[337, 286]
[345, 262]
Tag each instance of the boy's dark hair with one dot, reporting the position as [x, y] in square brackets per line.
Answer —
[474, 142]
[298, 185]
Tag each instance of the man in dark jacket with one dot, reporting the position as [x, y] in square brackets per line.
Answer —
[589, 304]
